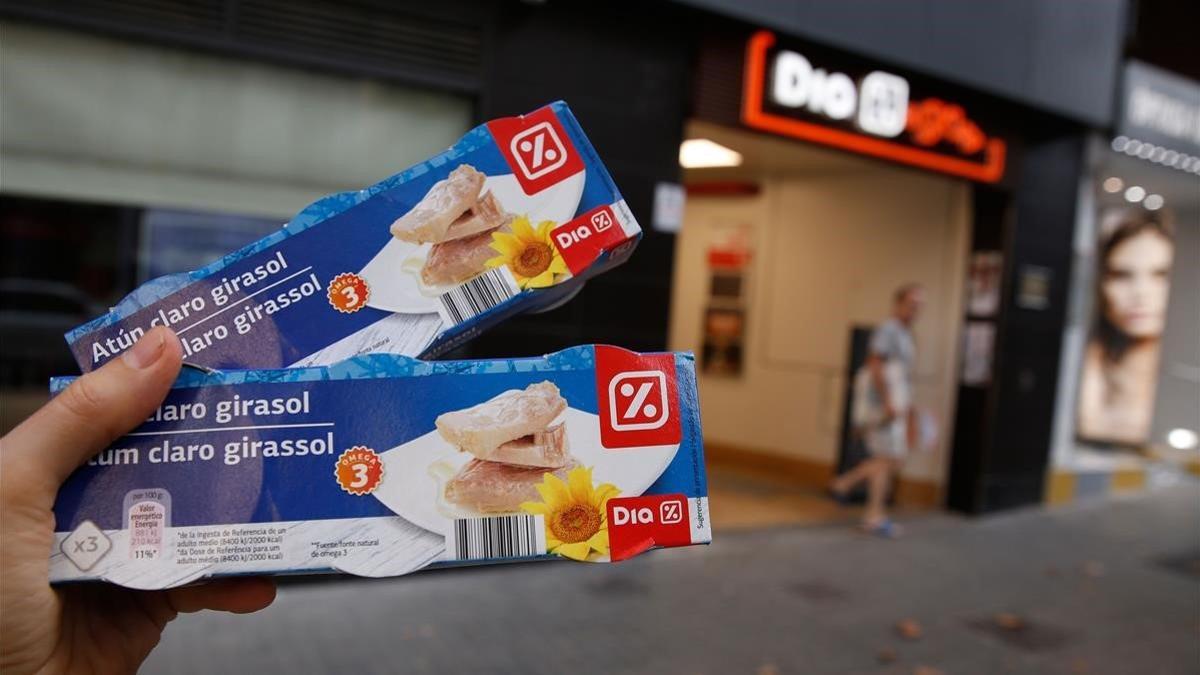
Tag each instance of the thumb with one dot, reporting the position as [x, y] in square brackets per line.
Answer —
[92, 412]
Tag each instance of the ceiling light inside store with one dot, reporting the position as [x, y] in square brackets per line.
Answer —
[1119, 143]
[1113, 185]
[701, 153]
[1182, 439]
[1153, 202]
[1135, 194]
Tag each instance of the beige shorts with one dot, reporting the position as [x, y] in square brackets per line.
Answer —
[888, 440]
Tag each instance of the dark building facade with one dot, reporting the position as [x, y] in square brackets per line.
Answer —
[1038, 75]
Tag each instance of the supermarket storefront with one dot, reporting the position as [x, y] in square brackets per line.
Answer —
[849, 177]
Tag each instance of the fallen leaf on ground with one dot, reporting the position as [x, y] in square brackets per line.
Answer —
[887, 655]
[1009, 621]
[909, 629]
[927, 670]
[1093, 569]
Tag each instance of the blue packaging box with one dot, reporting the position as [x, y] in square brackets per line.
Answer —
[382, 465]
[512, 218]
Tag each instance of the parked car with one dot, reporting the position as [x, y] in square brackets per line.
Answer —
[34, 315]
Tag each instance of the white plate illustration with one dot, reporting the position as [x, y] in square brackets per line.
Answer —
[393, 275]
[411, 491]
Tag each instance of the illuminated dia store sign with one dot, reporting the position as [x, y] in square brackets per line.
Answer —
[874, 114]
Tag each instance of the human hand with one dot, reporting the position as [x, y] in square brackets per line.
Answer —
[95, 627]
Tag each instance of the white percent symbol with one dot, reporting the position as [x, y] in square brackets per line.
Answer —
[538, 150]
[635, 406]
[655, 415]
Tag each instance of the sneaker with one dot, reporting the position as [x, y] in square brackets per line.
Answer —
[885, 529]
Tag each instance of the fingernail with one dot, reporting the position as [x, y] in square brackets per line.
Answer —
[147, 350]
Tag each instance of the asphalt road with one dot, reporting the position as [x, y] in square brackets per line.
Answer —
[1106, 587]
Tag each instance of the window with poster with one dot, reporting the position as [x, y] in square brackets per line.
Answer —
[1140, 372]
[724, 326]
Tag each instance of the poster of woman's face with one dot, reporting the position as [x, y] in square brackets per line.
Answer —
[1120, 367]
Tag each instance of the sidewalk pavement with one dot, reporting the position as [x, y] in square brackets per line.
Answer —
[1103, 587]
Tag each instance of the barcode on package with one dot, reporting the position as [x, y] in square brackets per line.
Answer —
[518, 536]
[477, 296]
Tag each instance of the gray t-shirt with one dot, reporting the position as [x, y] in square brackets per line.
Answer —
[894, 343]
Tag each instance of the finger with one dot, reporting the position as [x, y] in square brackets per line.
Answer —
[240, 595]
[93, 411]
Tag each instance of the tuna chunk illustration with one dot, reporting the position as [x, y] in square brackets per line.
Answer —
[483, 428]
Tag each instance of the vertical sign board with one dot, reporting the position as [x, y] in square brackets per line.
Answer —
[868, 111]
[1161, 109]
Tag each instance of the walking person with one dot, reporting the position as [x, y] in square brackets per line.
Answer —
[883, 412]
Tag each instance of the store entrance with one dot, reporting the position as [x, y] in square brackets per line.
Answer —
[784, 252]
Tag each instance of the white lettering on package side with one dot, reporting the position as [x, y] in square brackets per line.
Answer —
[187, 314]
[669, 513]
[599, 222]
[640, 516]
[881, 99]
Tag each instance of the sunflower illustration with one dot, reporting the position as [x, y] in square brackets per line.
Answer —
[529, 253]
[576, 513]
